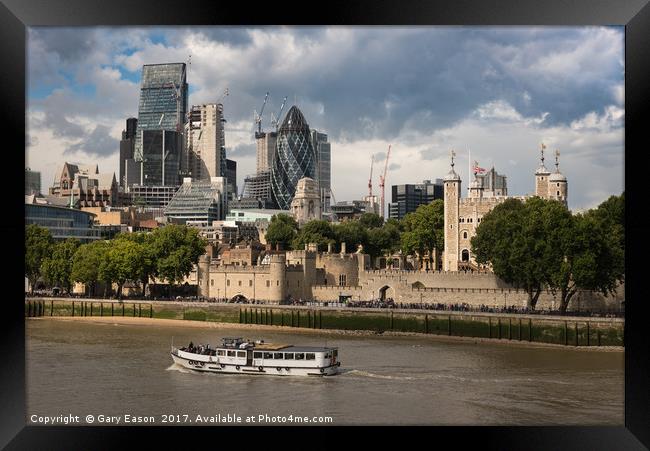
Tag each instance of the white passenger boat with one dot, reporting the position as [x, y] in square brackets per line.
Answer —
[239, 356]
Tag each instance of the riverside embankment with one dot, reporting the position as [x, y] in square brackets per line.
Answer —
[533, 329]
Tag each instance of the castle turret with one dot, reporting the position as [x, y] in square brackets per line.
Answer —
[452, 203]
[557, 183]
[278, 277]
[541, 177]
[203, 275]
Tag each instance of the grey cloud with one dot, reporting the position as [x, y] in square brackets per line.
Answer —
[242, 150]
[98, 143]
[394, 166]
[70, 44]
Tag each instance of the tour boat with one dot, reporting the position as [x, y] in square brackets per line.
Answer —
[239, 356]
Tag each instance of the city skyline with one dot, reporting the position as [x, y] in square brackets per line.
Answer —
[497, 92]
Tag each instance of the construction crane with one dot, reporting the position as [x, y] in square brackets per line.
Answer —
[382, 181]
[177, 94]
[276, 119]
[258, 118]
[372, 161]
[223, 96]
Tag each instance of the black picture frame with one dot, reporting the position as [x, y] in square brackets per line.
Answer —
[16, 15]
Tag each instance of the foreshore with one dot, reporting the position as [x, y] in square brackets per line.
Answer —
[160, 322]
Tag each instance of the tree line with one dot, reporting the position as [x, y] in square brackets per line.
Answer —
[168, 253]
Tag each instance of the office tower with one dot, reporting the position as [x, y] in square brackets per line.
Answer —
[324, 172]
[161, 152]
[127, 147]
[493, 183]
[407, 198]
[32, 182]
[162, 106]
[294, 158]
[266, 142]
[198, 200]
[204, 156]
[231, 177]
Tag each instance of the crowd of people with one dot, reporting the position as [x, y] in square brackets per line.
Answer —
[200, 349]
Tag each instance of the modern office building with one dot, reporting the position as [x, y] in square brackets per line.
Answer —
[152, 197]
[161, 157]
[205, 148]
[127, 148]
[294, 158]
[198, 201]
[258, 187]
[493, 183]
[62, 222]
[32, 182]
[231, 177]
[350, 210]
[407, 198]
[163, 102]
[324, 173]
[266, 142]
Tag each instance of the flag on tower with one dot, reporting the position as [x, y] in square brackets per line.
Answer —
[478, 169]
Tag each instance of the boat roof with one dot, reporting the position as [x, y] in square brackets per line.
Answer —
[306, 349]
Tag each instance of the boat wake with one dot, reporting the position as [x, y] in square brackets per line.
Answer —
[179, 368]
[374, 375]
[429, 376]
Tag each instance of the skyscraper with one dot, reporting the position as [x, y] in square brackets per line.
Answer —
[407, 198]
[161, 152]
[294, 158]
[324, 171]
[205, 147]
[127, 147]
[266, 142]
[163, 103]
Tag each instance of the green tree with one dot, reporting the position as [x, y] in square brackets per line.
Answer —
[383, 240]
[371, 220]
[123, 261]
[316, 231]
[38, 244]
[352, 233]
[424, 230]
[177, 249]
[282, 229]
[511, 239]
[57, 267]
[86, 264]
[612, 213]
[148, 267]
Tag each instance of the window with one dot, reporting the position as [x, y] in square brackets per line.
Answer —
[241, 353]
[558, 193]
[311, 356]
[211, 282]
[268, 283]
[277, 283]
[327, 356]
[250, 283]
[277, 355]
[257, 355]
[268, 355]
[465, 235]
[558, 185]
[221, 352]
[228, 282]
[342, 280]
[288, 356]
[335, 352]
[240, 283]
[300, 356]
[231, 354]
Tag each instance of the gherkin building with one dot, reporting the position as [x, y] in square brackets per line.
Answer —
[294, 158]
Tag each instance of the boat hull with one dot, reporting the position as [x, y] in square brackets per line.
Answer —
[229, 368]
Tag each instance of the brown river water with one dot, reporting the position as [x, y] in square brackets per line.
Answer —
[112, 370]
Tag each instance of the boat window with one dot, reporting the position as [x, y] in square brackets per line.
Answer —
[221, 352]
[336, 352]
[241, 353]
[277, 355]
[300, 356]
[288, 356]
[257, 355]
[327, 356]
[311, 356]
[231, 353]
[268, 355]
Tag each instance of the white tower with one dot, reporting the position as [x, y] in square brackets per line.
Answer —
[451, 202]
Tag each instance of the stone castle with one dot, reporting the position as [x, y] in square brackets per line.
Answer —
[463, 215]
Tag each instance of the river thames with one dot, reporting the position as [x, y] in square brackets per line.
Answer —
[77, 368]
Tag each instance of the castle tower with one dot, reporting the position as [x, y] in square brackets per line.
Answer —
[541, 177]
[309, 271]
[557, 183]
[203, 275]
[278, 278]
[452, 201]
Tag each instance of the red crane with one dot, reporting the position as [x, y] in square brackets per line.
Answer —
[382, 180]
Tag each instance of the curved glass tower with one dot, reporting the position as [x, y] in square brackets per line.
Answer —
[294, 158]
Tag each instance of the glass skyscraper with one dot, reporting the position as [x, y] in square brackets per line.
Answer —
[294, 158]
[163, 101]
[324, 157]
[161, 152]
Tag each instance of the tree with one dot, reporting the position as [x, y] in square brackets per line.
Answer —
[424, 230]
[148, 267]
[282, 230]
[177, 249]
[383, 240]
[371, 220]
[612, 213]
[57, 267]
[511, 239]
[316, 231]
[86, 263]
[353, 233]
[38, 243]
[123, 261]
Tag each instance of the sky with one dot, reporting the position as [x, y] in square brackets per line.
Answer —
[494, 92]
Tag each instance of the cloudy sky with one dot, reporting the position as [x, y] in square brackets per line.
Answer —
[497, 92]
